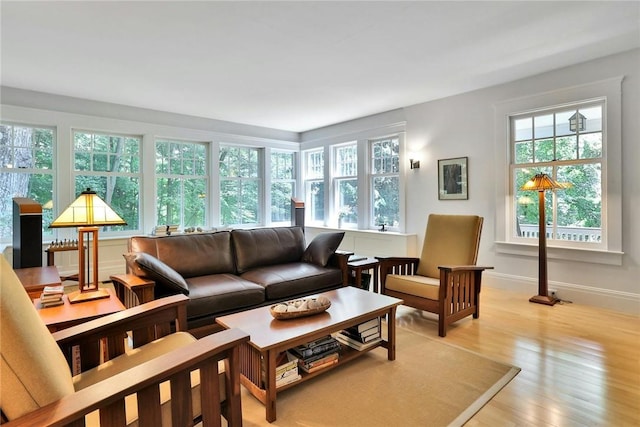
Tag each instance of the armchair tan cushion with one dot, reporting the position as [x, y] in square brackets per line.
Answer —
[33, 370]
[420, 286]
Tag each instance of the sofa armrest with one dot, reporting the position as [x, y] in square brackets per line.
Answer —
[396, 265]
[132, 290]
[340, 259]
[104, 337]
[108, 395]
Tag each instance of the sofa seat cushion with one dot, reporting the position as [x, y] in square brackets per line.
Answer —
[219, 293]
[292, 279]
[420, 286]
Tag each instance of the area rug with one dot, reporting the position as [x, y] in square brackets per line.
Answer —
[431, 383]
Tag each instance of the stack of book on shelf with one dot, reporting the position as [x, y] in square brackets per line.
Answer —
[362, 336]
[316, 355]
[286, 369]
[51, 296]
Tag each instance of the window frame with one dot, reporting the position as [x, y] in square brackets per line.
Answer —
[113, 230]
[341, 215]
[554, 165]
[372, 177]
[314, 173]
[182, 178]
[48, 215]
[609, 90]
[258, 180]
[293, 180]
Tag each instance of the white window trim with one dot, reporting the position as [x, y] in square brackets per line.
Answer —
[182, 178]
[611, 91]
[138, 175]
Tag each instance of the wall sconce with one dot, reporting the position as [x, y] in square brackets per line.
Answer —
[414, 164]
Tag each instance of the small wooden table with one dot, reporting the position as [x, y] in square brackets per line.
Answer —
[67, 315]
[34, 279]
[350, 306]
[357, 267]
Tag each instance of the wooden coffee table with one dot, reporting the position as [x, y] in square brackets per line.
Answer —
[270, 337]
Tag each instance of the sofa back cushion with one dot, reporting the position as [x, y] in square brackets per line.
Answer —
[190, 255]
[267, 246]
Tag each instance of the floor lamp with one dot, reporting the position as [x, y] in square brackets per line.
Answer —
[541, 183]
[88, 212]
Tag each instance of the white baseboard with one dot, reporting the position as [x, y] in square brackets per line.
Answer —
[625, 302]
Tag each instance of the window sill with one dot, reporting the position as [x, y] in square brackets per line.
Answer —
[567, 254]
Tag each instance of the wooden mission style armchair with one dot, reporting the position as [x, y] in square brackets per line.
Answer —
[168, 379]
[445, 279]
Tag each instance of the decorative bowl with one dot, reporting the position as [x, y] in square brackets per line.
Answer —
[300, 308]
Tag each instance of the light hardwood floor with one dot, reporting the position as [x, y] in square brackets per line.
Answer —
[580, 364]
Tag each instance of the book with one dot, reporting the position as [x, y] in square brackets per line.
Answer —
[367, 325]
[51, 303]
[48, 290]
[317, 362]
[355, 257]
[319, 367]
[362, 337]
[288, 380]
[355, 344]
[54, 297]
[316, 347]
[371, 331]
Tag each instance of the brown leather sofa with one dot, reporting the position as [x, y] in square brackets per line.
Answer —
[230, 271]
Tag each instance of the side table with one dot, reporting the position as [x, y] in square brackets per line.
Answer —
[357, 267]
[34, 279]
[66, 315]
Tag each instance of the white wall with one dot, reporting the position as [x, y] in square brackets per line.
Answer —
[464, 126]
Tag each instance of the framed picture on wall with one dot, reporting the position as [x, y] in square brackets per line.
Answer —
[453, 179]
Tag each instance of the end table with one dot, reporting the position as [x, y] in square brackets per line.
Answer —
[357, 267]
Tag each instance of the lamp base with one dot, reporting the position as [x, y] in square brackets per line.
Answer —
[541, 299]
[77, 296]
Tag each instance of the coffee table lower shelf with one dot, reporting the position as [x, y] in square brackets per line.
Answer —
[252, 376]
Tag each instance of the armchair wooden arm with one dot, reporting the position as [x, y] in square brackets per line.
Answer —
[108, 395]
[396, 265]
[146, 322]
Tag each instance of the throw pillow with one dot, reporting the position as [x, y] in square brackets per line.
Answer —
[157, 270]
[322, 247]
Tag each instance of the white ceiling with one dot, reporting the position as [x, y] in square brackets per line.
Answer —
[297, 65]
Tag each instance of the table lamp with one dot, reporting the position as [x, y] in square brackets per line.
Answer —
[87, 212]
[540, 183]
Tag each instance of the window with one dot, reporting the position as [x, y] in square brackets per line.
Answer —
[240, 185]
[283, 185]
[110, 166]
[345, 174]
[567, 144]
[26, 170]
[314, 186]
[181, 183]
[385, 181]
